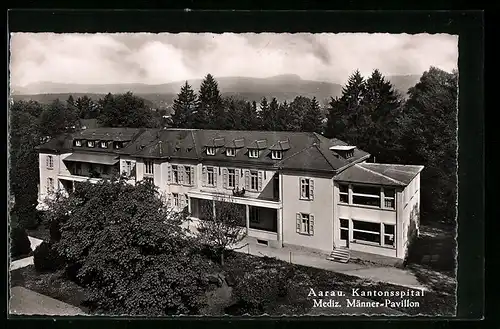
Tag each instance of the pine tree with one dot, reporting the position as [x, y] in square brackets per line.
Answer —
[210, 110]
[264, 114]
[249, 117]
[296, 111]
[336, 119]
[184, 107]
[312, 119]
[70, 101]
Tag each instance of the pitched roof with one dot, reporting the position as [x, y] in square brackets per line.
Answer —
[379, 174]
[93, 158]
[301, 150]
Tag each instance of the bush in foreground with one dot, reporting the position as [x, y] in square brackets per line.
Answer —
[46, 258]
[19, 242]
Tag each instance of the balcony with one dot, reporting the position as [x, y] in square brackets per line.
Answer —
[245, 199]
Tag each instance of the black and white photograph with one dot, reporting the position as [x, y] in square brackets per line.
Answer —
[233, 174]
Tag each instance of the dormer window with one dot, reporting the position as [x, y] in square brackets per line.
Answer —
[230, 152]
[253, 153]
[78, 143]
[104, 145]
[345, 151]
[276, 155]
[91, 144]
[117, 145]
[210, 150]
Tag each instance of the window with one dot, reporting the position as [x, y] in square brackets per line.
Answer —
[50, 185]
[211, 176]
[128, 166]
[344, 229]
[254, 215]
[254, 180]
[149, 180]
[389, 195]
[253, 153]
[210, 150]
[91, 144]
[117, 145]
[366, 231]
[343, 193]
[231, 178]
[366, 195]
[230, 152]
[50, 162]
[276, 155]
[305, 224]
[306, 189]
[78, 142]
[149, 168]
[175, 174]
[189, 175]
[104, 145]
[388, 235]
[175, 199]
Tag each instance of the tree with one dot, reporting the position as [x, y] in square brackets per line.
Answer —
[125, 110]
[312, 119]
[336, 119]
[222, 227]
[87, 108]
[296, 111]
[184, 107]
[57, 118]
[265, 114]
[210, 111]
[129, 249]
[24, 135]
[427, 136]
[249, 119]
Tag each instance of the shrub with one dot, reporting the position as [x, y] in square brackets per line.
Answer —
[257, 290]
[19, 242]
[46, 258]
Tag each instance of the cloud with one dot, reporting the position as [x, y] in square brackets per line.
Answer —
[159, 58]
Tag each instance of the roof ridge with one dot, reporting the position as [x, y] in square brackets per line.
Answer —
[379, 174]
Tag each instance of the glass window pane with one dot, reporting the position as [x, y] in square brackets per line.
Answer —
[344, 234]
[343, 188]
[366, 201]
[388, 229]
[374, 190]
[363, 236]
[366, 226]
[389, 192]
[344, 223]
[389, 240]
[344, 198]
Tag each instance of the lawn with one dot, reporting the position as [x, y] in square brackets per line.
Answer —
[54, 285]
[295, 300]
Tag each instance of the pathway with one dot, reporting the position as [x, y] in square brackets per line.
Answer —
[23, 262]
[386, 274]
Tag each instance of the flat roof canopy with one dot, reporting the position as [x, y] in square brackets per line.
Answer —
[93, 158]
[342, 148]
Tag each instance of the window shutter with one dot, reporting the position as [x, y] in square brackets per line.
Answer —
[237, 177]
[181, 174]
[186, 201]
[311, 224]
[300, 187]
[259, 187]
[311, 189]
[204, 174]
[247, 179]
[299, 218]
[169, 173]
[224, 177]
[169, 199]
[193, 175]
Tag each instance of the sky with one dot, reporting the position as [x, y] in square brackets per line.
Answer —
[160, 58]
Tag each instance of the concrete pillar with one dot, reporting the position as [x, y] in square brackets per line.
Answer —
[213, 208]
[350, 193]
[189, 205]
[280, 224]
[247, 216]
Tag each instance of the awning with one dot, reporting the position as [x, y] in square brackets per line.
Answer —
[93, 158]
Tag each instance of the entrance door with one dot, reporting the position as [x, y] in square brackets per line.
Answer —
[344, 232]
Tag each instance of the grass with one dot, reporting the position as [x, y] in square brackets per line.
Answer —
[54, 285]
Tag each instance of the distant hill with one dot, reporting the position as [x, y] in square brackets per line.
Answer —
[283, 87]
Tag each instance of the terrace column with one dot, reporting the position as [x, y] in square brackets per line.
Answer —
[247, 217]
[280, 224]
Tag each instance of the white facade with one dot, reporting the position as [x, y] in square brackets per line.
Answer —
[296, 209]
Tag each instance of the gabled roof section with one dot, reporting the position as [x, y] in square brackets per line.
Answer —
[258, 144]
[236, 143]
[216, 142]
[60, 143]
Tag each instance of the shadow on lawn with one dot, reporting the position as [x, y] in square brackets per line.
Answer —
[432, 257]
